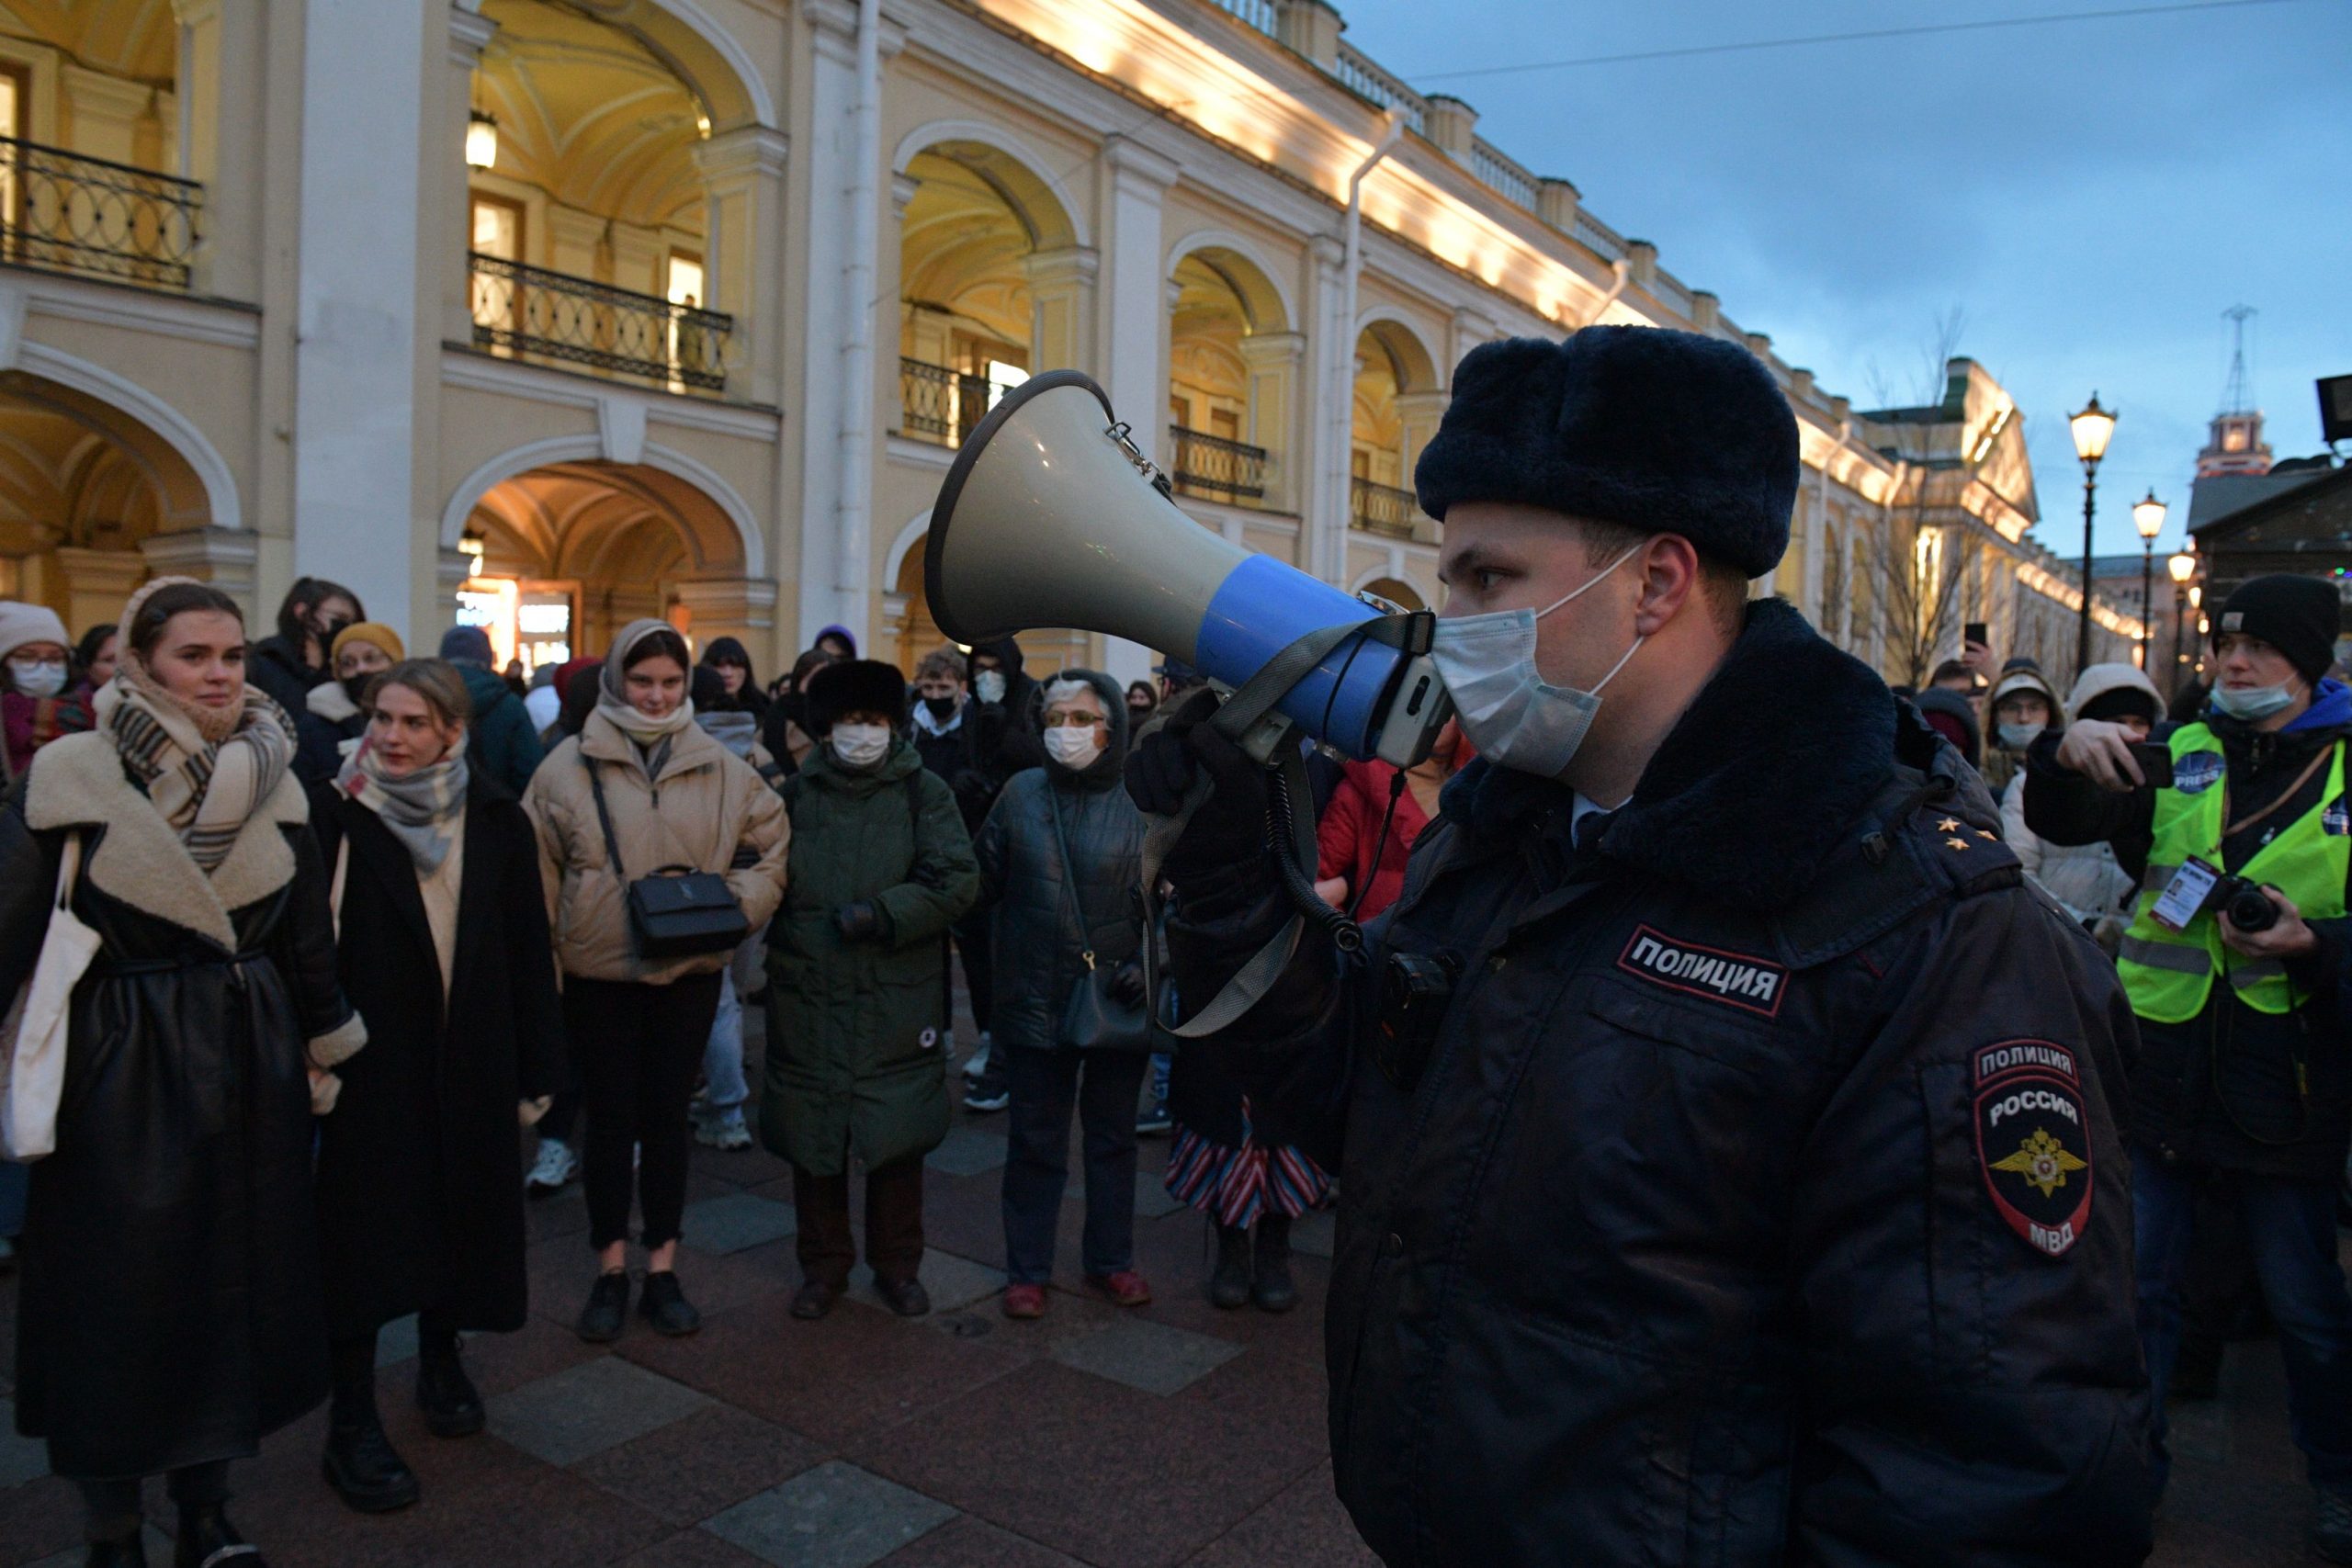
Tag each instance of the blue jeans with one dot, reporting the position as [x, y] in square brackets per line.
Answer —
[2291, 1229]
[1046, 1086]
[722, 1057]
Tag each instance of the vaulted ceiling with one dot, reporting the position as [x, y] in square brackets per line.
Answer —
[592, 116]
[138, 38]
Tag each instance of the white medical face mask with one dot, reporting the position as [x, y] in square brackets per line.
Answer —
[989, 685]
[1073, 749]
[2251, 704]
[860, 745]
[1512, 716]
[45, 678]
[2018, 737]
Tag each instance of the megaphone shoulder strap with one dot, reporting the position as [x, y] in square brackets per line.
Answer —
[1240, 713]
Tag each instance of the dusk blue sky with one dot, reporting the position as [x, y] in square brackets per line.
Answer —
[2092, 195]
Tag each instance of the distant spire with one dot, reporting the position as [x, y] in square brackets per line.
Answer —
[2236, 396]
[2233, 445]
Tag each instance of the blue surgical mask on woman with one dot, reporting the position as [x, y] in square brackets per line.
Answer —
[44, 678]
[2252, 704]
[1512, 716]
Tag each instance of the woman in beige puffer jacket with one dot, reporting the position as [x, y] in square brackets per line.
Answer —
[636, 1027]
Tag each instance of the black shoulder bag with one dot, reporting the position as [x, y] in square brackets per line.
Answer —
[677, 912]
[1094, 1020]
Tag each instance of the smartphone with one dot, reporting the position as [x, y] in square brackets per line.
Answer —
[1975, 632]
[2156, 762]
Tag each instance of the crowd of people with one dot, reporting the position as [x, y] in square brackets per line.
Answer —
[324, 957]
[380, 945]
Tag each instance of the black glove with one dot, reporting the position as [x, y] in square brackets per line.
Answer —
[858, 922]
[1127, 986]
[1230, 825]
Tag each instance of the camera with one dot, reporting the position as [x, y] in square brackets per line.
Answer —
[2243, 904]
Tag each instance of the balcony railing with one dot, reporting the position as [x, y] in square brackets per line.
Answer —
[529, 311]
[939, 404]
[69, 213]
[1217, 468]
[1384, 509]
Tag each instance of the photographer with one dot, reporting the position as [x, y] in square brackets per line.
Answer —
[2242, 1071]
[1728, 1137]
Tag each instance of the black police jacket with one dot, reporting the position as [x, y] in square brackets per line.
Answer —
[1758, 1197]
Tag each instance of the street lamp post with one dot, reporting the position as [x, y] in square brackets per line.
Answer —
[2148, 516]
[2093, 428]
[2182, 566]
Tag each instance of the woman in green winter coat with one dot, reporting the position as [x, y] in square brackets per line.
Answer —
[857, 1062]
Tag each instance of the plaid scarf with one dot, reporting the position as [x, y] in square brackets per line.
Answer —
[422, 809]
[206, 770]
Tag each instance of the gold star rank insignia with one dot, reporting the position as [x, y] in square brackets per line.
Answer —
[1955, 843]
[1987, 834]
[1949, 825]
[2041, 1161]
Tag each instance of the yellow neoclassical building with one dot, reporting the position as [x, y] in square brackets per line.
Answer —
[551, 313]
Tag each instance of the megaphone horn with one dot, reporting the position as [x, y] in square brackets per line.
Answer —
[1050, 516]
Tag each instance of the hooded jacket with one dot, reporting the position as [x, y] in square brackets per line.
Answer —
[2221, 1089]
[501, 739]
[2000, 762]
[1669, 1236]
[1039, 938]
[2086, 878]
[705, 803]
[857, 1062]
[1001, 738]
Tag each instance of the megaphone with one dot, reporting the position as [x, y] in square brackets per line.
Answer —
[1051, 517]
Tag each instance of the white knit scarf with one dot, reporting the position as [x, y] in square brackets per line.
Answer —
[206, 770]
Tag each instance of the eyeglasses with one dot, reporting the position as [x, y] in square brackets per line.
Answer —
[1073, 721]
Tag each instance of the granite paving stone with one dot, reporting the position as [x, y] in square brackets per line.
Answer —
[967, 1542]
[158, 1545]
[1301, 1526]
[588, 1408]
[836, 1516]
[396, 1342]
[737, 1221]
[695, 1547]
[953, 1282]
[701, 1463]
[967, 1151]
[1316, 1234]
[1146, 1355]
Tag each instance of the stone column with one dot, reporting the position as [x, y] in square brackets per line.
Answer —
[449, 179]
[1274, 359]
[1422, 413]
[103, 113]
[1133, 301]
[219, 65]
[225, 558]
[96, 582]
[1061, 307]
[742, 172]
[1323, 493]
[366, 350]
[740, 607]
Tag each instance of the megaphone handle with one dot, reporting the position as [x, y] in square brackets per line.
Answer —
[1290, 841]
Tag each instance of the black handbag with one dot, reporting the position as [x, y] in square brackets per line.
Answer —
[1093, 1019]
[676, 912]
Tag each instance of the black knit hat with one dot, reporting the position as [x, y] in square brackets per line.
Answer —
[855, 685]
[1642, 426]
[2300, 616]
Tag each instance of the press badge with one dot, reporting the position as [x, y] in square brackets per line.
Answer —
[2185, 895]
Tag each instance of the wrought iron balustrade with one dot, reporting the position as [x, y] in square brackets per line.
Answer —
[1216, 468]
[530, 311]
[71, 214]
[939, 404]
[1384, 509]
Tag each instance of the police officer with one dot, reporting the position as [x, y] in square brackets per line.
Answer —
[2244, 1082]
[1728, 1134]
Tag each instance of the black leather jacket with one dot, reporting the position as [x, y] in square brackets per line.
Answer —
[1700, 1229]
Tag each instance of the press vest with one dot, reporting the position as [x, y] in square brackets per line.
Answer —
[2168, 975]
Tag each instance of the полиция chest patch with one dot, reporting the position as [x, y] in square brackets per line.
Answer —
[1736, 979]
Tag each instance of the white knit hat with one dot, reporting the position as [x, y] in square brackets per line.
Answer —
[21, 624]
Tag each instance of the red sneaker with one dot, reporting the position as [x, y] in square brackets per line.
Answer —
[1024, 1301]
[1127, 1288]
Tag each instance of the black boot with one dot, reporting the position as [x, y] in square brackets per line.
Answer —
[1270, 1285]
[665, 1305]
[1229, 1281]
[607, 1310]
[127, 1551]
[360, 1464]
[451, 1403]
[209, 1540]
